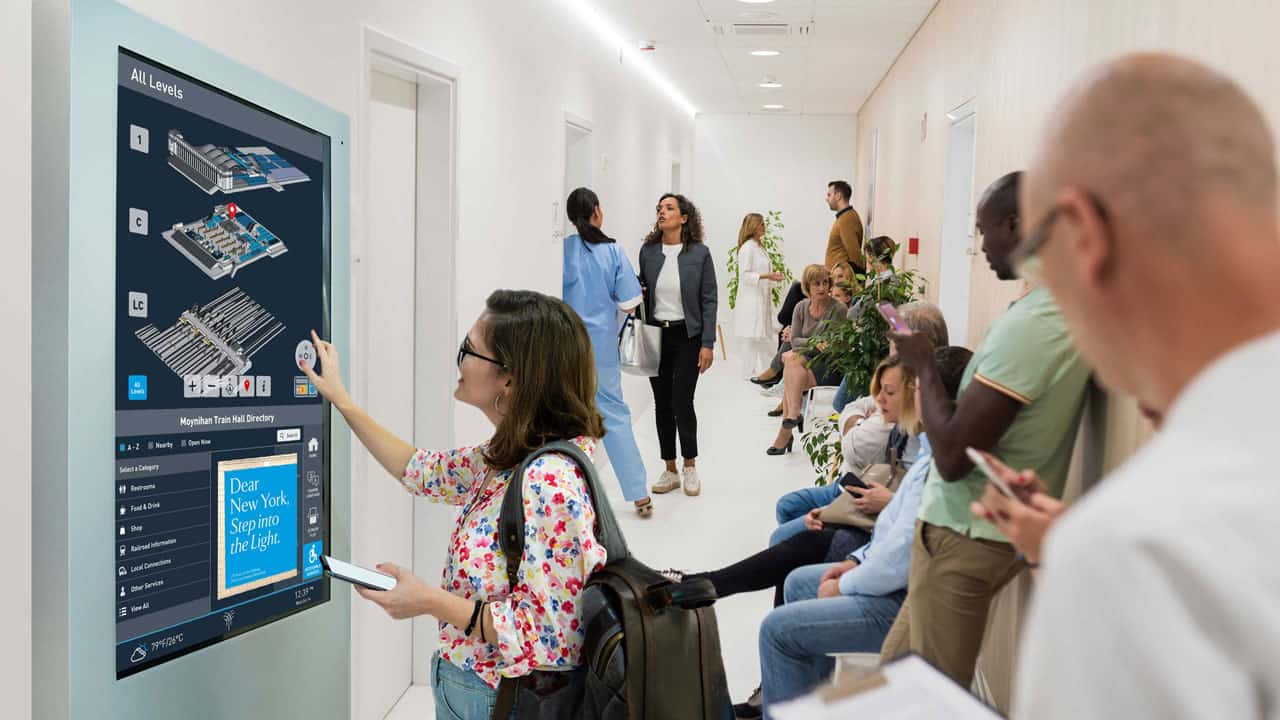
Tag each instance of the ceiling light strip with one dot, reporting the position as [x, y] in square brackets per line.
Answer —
[605, 29]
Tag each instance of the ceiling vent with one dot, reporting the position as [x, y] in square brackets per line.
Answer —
[761, 30]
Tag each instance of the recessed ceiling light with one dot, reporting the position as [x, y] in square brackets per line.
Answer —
[770, 83]
[773, 107]
[755, 2]
[765, 53]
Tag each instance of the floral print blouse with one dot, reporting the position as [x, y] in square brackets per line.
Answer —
[539, 622]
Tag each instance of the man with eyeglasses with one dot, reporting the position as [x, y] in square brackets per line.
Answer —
[1159, 595]
[1020, 399]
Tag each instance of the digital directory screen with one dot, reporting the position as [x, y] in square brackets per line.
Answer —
[220, 480]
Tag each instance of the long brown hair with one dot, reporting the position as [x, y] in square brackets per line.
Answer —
[544, 347]
[752, 224]
[690, 232]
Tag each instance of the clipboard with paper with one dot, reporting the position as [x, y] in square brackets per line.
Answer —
[908, 688]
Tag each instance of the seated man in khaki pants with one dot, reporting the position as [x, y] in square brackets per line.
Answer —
[1021, 400]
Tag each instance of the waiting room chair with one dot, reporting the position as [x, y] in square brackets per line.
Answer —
[819, 401]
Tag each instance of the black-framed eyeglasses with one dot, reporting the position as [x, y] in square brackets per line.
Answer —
[465, 349]
[1026, 257]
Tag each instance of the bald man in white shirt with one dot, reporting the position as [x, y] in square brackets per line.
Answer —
[1153, 213]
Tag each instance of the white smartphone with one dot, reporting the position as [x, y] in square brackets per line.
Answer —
[357, 575]
[980, 462]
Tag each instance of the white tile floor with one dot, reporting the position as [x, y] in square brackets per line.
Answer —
[731, 519]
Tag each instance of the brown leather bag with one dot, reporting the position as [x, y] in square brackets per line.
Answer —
[843, 511]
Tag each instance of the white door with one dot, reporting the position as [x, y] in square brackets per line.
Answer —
[577, 163]
[381, 513]
[435, 331]
[407, 340]
[958, 248]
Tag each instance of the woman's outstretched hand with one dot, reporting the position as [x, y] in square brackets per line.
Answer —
[328, 381]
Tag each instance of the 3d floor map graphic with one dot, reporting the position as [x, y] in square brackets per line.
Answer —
[225, 241]
[217, 338]
[213, 168]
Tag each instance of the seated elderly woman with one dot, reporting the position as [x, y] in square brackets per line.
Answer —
[841, 277]
[799, 371]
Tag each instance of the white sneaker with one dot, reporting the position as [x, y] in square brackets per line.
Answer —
[692, 486]
[667, 482]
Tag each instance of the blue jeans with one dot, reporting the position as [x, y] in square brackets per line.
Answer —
[843, 395]
[793, 506]
[460, 694]
[795, 638]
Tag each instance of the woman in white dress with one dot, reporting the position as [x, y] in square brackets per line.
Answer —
[753, 323]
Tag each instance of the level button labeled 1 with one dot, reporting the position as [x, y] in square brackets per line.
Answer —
[289, 435]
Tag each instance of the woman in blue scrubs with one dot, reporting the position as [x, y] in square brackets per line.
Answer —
[598, 282]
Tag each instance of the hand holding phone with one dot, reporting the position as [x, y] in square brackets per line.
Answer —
[849, 480]
[891, 316]
[980, 461]
[356, 575]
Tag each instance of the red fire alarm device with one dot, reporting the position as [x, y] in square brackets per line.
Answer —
[913, 246]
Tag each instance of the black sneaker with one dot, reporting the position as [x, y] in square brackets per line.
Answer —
[751, 709]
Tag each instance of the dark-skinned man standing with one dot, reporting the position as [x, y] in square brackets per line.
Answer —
[1020, 399]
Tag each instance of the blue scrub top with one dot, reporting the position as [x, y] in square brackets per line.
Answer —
[598, 281]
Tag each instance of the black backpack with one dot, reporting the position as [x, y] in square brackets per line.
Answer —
[652, 648]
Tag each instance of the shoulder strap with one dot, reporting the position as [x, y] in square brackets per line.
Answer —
[896, 446]
[511, 517]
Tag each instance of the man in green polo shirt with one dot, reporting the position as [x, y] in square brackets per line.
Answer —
[1021, 400]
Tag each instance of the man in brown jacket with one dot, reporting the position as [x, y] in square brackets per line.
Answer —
[845, 242]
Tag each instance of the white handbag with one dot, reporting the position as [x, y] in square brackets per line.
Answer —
[639, 345]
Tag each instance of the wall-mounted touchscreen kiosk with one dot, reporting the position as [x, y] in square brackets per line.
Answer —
[193, 229]
[221, 503]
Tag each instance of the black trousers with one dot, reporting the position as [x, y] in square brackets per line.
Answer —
[673, 390]
[770, 566]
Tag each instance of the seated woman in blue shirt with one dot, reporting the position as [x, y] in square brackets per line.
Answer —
[848, 606]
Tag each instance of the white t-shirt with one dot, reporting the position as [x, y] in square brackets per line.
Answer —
[1160, 593]
[667, 301]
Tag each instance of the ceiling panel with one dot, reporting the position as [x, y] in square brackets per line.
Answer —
[833, 52]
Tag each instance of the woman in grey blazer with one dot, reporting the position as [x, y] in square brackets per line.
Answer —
[679, 282]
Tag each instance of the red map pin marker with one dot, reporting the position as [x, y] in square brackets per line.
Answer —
[232, 210]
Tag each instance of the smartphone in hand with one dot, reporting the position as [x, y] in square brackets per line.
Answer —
[849, 480]
[356, 575]
[980, 461]
[891, 316]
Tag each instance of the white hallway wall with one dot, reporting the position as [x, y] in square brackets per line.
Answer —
[1017, 59]
[15, 361]
[758, 163]
[523, 66]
